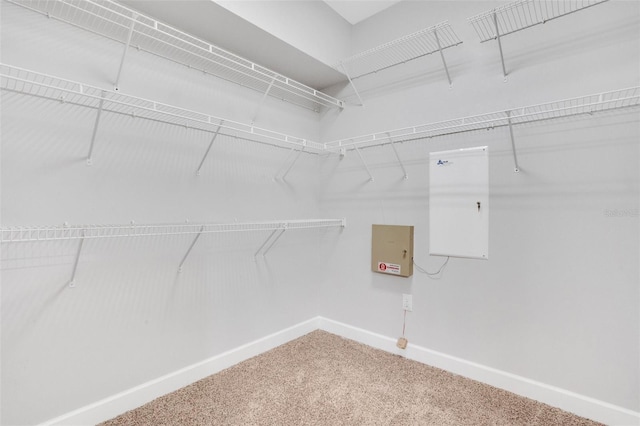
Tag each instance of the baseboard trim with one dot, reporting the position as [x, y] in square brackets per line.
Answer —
[122, 402]
[566, 400]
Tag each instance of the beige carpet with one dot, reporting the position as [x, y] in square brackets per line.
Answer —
[323, 379]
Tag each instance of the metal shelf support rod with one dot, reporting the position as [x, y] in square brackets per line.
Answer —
[195, 240]
[265, 242]
[282, 231]
[292, 163]
[72, 281]
[495, 23]
[284, 164]
[126, 48]
[264, 96]
[351, 82]
[95, 129]
[213, 139]
[513, 143]
[446, 69]
[364, 163]
[406, 176]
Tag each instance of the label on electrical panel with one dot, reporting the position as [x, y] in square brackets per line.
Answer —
[389, 268]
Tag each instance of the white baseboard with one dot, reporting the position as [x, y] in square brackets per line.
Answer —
[569, 401]
[124, 401]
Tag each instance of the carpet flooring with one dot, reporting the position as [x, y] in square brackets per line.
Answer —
[323, 379]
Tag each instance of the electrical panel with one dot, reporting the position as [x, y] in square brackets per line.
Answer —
[392, 250]
[459, 203]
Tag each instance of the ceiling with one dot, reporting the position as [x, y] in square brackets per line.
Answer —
[355, 11]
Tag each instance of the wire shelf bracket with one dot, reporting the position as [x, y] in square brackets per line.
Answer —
[95, 130]
[264, 96]
[114, 21]
[444, 62]
[421, 43]
[213, 139]
[395, 151]
[290, 164]
[516, 167]
[504, 68]
[355, 89]
[193, 243]
[72, 281]
[134, 17]
[278, 233]
[364, 163]
[522, 14]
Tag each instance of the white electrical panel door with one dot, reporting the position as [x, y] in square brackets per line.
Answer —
[459, 203]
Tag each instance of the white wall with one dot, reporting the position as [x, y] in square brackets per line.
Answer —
[311, 26]
[557, 302]
[558, 299]
[131, 317]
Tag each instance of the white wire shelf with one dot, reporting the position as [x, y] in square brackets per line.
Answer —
[404, 49]
[523, 14]
[114, 21]
[76, 232]
[44, 86]
[590, 104]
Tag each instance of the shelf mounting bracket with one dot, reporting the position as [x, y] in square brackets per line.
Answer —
[264, 96]
[272, 239]
[95, 129]
[495, 23]
[193, 243]
[395, 151]
[126, 48]
[72, 281]
[295, 159]
[351, 82]
[446, 69]
[364, 164]
[273, 242]
[215, 135]
[513, 143]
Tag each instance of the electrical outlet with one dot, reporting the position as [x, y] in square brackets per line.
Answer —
[407, 302]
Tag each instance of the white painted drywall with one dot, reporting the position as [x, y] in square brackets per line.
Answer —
[311, 26]
[131, 317]
[556, 303]
[558, 300]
